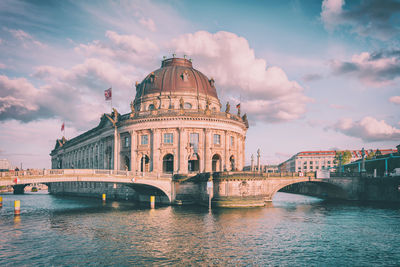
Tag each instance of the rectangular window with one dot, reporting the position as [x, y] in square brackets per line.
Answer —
[311, 167]
[144, 139]
[232, 141]
[329, 162]
[168, 138]
[316, 162]
[311, 162]
[127, 141]
[194, 139]
[217, 139]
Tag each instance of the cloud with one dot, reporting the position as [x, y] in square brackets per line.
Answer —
[312, 77]
[24, 37]
[331, 10]
[368, 129]
[2, 66]
[148, 23]
[376, 69]
[125, 48]
[266, 91]
[374, 18]
[395, 100]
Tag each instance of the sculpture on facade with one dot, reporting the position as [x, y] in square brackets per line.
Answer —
[114, 117]
[181, 103]
[132, 110]
[246, 122]
[228, 107]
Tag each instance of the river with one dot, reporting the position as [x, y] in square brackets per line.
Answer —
[293, 230]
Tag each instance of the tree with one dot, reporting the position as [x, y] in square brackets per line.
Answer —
[371, 155]
[346, 157]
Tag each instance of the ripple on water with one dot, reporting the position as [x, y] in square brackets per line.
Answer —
[294, 230]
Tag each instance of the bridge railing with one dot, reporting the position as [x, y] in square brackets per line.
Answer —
[66, 172]
[270, 174]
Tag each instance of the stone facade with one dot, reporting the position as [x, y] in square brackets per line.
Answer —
[175, 126]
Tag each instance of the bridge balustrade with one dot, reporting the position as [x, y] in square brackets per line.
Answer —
[77, 172]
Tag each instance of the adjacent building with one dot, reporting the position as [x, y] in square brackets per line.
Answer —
[5, 165]
[175, 126]
[307, 161]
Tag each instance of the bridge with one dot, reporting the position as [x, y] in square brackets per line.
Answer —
[228, 188]
[19, 179]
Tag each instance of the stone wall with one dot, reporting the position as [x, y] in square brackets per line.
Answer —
[116, 191]
[94, 189]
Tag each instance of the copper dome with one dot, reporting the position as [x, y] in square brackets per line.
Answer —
[175, 76]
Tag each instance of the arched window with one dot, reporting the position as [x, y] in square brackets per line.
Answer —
[187, 105]
[151, 107]
[216, 163]
[144, 164]
[194, 162]
[168, 163]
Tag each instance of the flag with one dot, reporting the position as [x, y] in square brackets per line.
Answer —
[238, 105]
[108, 94]
[62, 127]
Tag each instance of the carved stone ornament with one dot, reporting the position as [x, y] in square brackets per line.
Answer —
[132, 110]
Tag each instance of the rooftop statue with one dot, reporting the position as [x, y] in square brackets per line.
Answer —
[228, 107]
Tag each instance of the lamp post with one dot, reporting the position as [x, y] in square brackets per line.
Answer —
[363, 170]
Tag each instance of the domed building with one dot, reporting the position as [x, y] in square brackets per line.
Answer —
[175, 126]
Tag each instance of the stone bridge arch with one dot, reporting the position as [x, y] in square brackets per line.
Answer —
[160, 187]
[317, 188]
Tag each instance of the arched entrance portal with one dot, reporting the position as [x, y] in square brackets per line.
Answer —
[144, 164]
[168, 163]
[127, 163]
[193, 162]
[232, 162]
[216, 163]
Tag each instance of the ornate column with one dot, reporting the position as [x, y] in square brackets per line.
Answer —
[182, 154]
[207, 161]
[155, 148]
[226, 145]
[243, 140]
[133, 150]
[115, 160]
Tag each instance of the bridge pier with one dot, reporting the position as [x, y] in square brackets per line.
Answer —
[19, 189]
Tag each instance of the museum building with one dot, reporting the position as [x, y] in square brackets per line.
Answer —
[175, 126]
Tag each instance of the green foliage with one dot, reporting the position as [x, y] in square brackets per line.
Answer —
[346, 156]
[371, 155]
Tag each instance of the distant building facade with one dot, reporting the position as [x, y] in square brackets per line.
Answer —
[5, 165]
[307, 161]
[264, 168]
[175, 126]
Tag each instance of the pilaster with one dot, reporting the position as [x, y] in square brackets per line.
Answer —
[133, 150]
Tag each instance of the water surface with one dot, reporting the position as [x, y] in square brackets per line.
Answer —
[294, 230]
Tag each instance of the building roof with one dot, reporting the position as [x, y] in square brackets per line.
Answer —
[175, 76]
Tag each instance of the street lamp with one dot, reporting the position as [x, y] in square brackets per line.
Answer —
[363, 160]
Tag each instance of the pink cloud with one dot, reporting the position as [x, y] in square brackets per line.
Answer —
[25, 38]
[375, 69]
[148, 23]
[395, 100]
[266, 90]
[368, 129]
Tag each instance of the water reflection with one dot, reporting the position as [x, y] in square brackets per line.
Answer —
[292, 230]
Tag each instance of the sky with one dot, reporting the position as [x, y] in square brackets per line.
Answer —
[311, 75]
